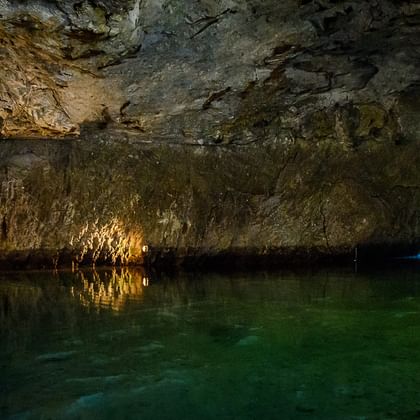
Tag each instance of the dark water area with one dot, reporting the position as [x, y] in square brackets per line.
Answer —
[116, 344]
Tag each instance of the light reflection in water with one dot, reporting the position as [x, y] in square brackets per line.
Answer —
[110, 289]
[260, 345]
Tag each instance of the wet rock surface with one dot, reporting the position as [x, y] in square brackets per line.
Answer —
[209, 128]
[105, 201]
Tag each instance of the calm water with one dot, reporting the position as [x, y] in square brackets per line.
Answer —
[116, 345]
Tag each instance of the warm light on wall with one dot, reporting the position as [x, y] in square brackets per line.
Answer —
[109, 241]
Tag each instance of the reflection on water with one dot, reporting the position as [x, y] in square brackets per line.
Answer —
[113, 344]
[109, 289]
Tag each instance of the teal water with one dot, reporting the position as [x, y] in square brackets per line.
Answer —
[117, 345]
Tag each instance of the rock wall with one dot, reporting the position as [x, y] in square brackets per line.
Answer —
[225, 127]
[104, 200]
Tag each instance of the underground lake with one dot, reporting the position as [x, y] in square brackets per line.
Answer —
[119, 344]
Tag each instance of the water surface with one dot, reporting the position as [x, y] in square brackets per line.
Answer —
[118, 345]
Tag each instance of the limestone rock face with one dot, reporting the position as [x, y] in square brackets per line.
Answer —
[231, 126]
[51, 57]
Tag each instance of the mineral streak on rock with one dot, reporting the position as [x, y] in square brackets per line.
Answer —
[207, 128]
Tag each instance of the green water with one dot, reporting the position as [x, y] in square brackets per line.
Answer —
[117, 345]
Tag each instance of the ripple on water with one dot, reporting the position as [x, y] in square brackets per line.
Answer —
[56, 357]
[86, 402]
[248, 341]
